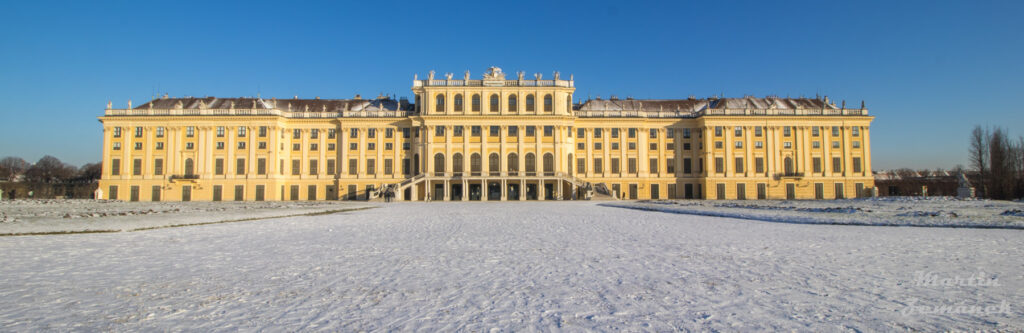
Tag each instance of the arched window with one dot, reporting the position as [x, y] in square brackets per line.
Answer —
[458, 103]
[789, 165]
[474, 162]
[457, 162]
[476, 103]
[531, 162]
[495, 103]
[530, 107]
[189, 167]
[548, 103]
[439, 104]
[549, 163]
[439, 163]
[493, 162]
[513, 104]
[513, 162]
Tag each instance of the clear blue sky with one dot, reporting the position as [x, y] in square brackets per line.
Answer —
[928, 70]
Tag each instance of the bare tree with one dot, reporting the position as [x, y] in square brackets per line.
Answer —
[49, 170]
[978, 156]
[11, 167]
[1001, 178]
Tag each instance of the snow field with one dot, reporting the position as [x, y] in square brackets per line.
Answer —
[558, 266]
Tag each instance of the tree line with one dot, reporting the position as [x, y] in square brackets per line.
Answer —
[998, 160]
[47, 178]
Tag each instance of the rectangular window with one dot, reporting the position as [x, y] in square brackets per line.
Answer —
[117, 146]
[686, 146]
[241, 131]
[314, 146]
[331, 167]
[856, 144]
[741, 191]
[474, 130]
[261, 166]
[816, 164]
[439, 131]
[739, 144]
[738, 131]
[190, 131]
[332, 133]
[296, 167]
[549, 131]
[531, 131]
[839, 191]
[388, 146]
[241, 145]
[117, 132]
[112, 192]
[835, 130]
[759, 164]
[405, 146]
[314, 167]
[686, 133]
[718, 130]
[615, 146]
[240, 166]
[653, 166]
[218, 166]
[158, 166]
[262, 145]
[352, 133]
[405, 132]
[631, 165]
[220, 145]
[353, 167]
[581, 146]
[815, 144]
[687, 166]
[159, 132]
[138, 131]
[263, 131]
[739, 165]
[815, 131]
[513, 131]
[457, 130]
[615, 165]
[654, 146]
[134, 193]
[615, 133]
[137, 167]
[405, 166]
[138, 146]
[787, 145]
[719, 165]
[597, 133]
[239, 192]
[787, 131]
[835, 144]
[353, 146]
[855, 131]
[598, 166]
[856, 164]
[371, 146]
[581, 133]
[720, 188]
[494, 130]
[837, 164]
[654, 133]
[670, 165]
[371, 166]
[330, 147]
[718, 145]
[758, 144]
[388, 166]
[670, 133]
[762, 191]
[581, 165]
[758, 131]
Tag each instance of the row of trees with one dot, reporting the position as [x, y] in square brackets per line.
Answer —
[998, 160]
[48, 177]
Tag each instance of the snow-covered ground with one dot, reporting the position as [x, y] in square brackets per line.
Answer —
[57, 216]
[517, 267]
[890, 211]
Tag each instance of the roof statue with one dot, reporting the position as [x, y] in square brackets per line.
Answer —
[494, 73]
[448, 76]
[521, 73]
[467, 75]
[430, 76]
[538, 76]
[557, 74]
[110, 104]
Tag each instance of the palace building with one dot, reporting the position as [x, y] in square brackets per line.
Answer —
[494, 138]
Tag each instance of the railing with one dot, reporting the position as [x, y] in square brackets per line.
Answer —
[491, 83]
[183, 177]
[717, 112]
[789, 175]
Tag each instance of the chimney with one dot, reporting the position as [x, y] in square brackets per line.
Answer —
[358, 97]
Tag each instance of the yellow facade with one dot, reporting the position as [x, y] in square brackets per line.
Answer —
[494, 138]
